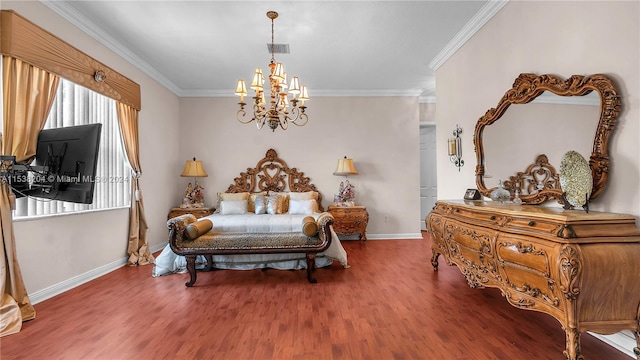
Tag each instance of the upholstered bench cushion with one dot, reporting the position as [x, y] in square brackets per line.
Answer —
[247, 241]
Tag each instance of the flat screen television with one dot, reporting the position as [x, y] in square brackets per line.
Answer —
[69, 156]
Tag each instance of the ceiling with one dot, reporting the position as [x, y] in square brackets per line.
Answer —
[337, 48]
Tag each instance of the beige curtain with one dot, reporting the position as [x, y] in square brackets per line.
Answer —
[28, 94]
[138, 249]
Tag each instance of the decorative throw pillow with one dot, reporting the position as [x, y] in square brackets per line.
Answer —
[309, 226]
[274, 204]
[284, 199]
[198, 228]
[230, 197]
[307, 195]
[233, 207]
[260, 204]
[233, 196]
[252, 200]
[302, 207]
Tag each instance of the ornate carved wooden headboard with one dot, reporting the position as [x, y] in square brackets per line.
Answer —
[272, 174]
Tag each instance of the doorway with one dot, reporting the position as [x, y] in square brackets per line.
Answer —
[428, 171]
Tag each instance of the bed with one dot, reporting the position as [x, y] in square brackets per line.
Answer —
[268, 198]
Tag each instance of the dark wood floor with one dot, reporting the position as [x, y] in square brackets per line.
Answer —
[389, 305]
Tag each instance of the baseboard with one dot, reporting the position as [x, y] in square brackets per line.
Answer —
[621, 341]
[411, 236]
[59, 288]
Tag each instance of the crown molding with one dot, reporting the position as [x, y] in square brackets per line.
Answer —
[316, 93]
[90, 28]
[427, 99]
[477, 21]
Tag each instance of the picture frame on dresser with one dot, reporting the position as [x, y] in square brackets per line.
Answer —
[472, 194]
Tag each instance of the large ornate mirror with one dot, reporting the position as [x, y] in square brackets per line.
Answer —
[520, 149]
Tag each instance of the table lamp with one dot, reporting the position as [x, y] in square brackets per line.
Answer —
[193, 195]
[346, 193]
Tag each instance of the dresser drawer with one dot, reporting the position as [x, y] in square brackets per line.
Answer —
[526, 269]
[471, 247]
[514, 224]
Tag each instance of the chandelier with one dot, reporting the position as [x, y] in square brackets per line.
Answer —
[282, 108]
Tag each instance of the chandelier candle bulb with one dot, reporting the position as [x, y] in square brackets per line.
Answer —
[303, 94]
[294, 88]
[258, 80]
[452, 146]
[241, 90]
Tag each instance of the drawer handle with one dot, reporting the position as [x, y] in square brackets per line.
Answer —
[531, 223]
[493, 217]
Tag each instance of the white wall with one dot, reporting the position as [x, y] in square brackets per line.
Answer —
[561, 38]
[57, 249]
[379, 134]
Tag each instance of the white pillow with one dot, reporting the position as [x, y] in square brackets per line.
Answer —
[302, 207]
[233, 207]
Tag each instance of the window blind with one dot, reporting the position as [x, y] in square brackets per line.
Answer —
[77, 105]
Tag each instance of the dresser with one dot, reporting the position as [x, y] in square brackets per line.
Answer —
[581, 268]
[349, 220]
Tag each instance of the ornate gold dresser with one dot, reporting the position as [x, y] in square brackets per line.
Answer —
[581, 268]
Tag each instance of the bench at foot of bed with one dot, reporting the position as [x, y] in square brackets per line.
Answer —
[191, 268]
[216, 243]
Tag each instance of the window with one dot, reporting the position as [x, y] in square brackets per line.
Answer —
[76, 105]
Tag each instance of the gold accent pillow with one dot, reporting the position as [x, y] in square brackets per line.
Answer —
[307, 195]
[309, 226]
[198, 228]
[285, 201]
[233, 196]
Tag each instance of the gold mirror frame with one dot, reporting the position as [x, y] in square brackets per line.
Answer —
[529, 86]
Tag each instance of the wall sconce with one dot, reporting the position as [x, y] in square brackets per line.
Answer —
[455, 148]
[193, 196]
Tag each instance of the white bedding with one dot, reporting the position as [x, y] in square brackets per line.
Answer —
[168, 262]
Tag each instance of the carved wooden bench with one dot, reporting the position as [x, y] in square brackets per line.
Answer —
[217, 243]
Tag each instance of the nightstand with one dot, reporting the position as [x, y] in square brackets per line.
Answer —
[350, 220]
[197, 212]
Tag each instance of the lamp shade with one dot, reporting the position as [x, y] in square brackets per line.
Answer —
[241, 88]
[345, 167]
[193, 168]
